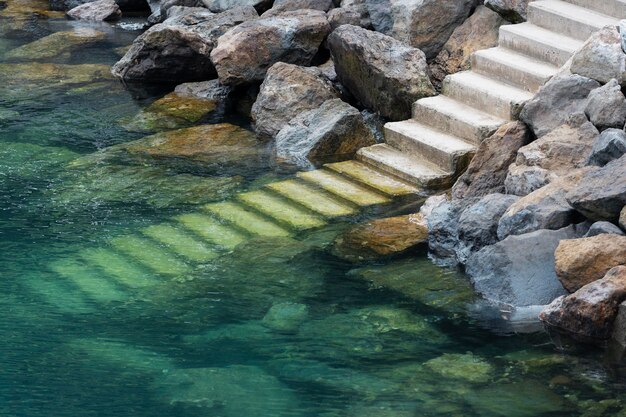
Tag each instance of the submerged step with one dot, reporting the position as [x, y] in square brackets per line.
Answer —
[150, 255]
[117, 266]
[57, 295]
[245, 219]
[212, 230]
[373, 178]
[181, 243]
[343, 187]
[316, 200]
[89, 281]
[281, 210]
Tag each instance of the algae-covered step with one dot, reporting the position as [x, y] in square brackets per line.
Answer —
[246, 219]
[92, 283]
[119, 267]
[181, 243]
[56, 293]
[282, 210]
[373, 178]
[314, 199]
[212, 230]
[343, 187]
[150, 255]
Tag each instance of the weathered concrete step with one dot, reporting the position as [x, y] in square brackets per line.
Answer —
[615, 8]
[379, 181]
[281, 210]
[492, 96]
[508, 66]
[118, 267]
[456, 118]
[246, 219]
[150, 255]
[94, 285]
[538, 42]
[181, 243]
[409, 168]
[344, 187]
[415, 139]
[57, 295]
[314, 199]
[567, 19]
[212, 230]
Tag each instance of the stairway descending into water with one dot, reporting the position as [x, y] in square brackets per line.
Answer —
[436, 145]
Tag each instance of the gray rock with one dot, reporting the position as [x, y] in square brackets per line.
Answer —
[610, 145]
[353, 15]
[182, 11]
[601, 58]
[622, 34]
[443, 231]
[523, 180]
[98, 11]
[218, 6]
[382, 73]
[210, 90]
[125, 5]
[607, 106]
[599, 228]
[512, 10]
[622, 218]
[281, 6]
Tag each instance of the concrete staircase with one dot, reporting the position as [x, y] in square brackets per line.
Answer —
[436, 145]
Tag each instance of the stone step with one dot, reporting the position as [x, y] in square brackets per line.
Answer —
[409, 168]
[415, 139]
[344, 187]
[212, 230]
[615, 8]
[281, 210]
[56, 294]
[117, 266]
[88, 280]
[181, 243]
[245, 219]
[567, 18]
[492, 96]
[150, 255]
[506, 65]
[539, 43]
[377, 180]
[313, 199]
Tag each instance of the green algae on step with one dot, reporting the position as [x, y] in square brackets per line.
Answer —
[150, 255]
[119, 267]
[317, 200]
[181, 243]
[246, 220]
[212, 230]
[88, 280]
[343, 187]
[364, 174]
[281, 210]
[58, 295]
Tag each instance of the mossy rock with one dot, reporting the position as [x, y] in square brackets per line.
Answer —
[466, 367]
[55, 45]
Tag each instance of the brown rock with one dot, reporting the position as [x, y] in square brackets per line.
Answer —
[582, 261]
[100, 10]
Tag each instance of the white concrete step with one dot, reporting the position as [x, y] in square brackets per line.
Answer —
[538, 42]
[456, 118]
[339, 185]
[492, 96]
[615, 8]
[567, 18]
[415, 139]
[373, 178]
[508, 66]
[409, 168]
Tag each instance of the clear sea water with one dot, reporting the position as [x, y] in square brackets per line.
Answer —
[387, 339]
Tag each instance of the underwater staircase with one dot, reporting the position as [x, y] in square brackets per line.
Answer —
[437, 144]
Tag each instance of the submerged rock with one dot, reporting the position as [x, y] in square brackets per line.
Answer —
[466, 367]
[286, 317]
[526, 398]
[54, 45]
[97, 11]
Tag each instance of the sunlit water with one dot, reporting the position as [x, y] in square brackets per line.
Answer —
[194, 341]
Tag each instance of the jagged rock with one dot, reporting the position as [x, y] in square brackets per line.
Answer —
[245, 53]
[589, 313]
[287, 91]
[607, 106]
[487, 171]
[601, 58]
[351, 15]
[523, 180]
[382, 73]
[286, 317]
[179, 48]
[281, 6]
[557, 100]
[512, 10]
[209, 90]
[125, 5]
[582, 261]
[55, 44]
[218, 6]
[599, 228]
[443, 230]
[101, 10]
[601, 194]
[610, 145]
[520, 269]
[176, 11]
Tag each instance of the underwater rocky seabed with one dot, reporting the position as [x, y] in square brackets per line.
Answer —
[268, 327]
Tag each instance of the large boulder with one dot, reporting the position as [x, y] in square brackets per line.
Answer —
[589, 314]
[601, 58]
[245, 53]
[125, 5]
[101, 10]
[610, 145]
[512, 10]
[218, 6]
[443, 229]
[179, 49]
[607, 106]
[281, 6]
[287, 91]
[381, 72]
[603, 227]
[351, 15]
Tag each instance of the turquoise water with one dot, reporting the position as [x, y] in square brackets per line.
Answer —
[100, 318]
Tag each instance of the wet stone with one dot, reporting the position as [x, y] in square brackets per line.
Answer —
[56, 44]
[466, 367]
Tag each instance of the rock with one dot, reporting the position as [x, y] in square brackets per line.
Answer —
[488, 169]
[520, 269]
[209, 90]
[599, 228]
[601, 194]
[582, 261]
[55, 44]
[287, 91]
[356, 16]
[601, 58]
[100, 10]
[525, 398]
[382, 237]
[245, 53]
[443, 230]
[335, 129]
[281, 6]
[479, 31]
[523, 180]
[179, 48]
[557, 100]
[286, 317]
[176, 11]
[466, 367]
[622, 218]
[218, 6]
[607, 106]
[590, 312]
[382, 73]
[610, 146]
[512, 10]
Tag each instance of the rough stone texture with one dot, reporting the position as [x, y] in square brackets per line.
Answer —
[523, 180]
[601, 194]
[487, 171]
[443, 230]
[622, 218]
[512, 10]
[607, 106]
[175, 11]
[101, 10]
[520, 269]
[335, 129]
[557, 100]
[55, 44]
[610, 146]
[590, 312]
[479, 31]
[287, 91]
[218, 6]
[281, 6]
[352, 15]
[179, 48]
[210, 90]
[382, 73]
[582, 261]
[599, 228]
[601, 57]
[244, 53]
